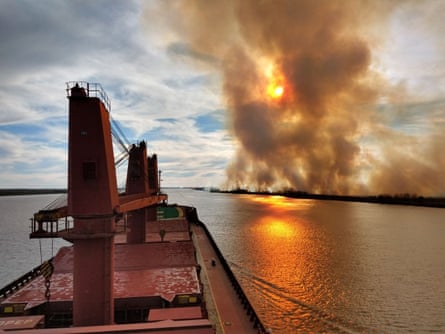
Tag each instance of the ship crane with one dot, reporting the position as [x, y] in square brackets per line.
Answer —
[52, 221]
[94, 203]
[158, 276]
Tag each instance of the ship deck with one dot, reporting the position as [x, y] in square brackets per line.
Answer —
[169, 278]
[231, 309]
[151, 271]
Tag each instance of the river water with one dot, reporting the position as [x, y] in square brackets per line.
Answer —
[306, 265]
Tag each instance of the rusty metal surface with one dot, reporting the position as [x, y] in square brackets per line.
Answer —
[175, 313]
[163, 269]
[164, 282]
[195, 326]
[128, 205]
[154, 255]
[25, 322]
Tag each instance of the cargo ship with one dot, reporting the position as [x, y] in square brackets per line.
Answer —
[137, 264]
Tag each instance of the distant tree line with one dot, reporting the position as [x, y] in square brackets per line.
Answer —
[31, 191]
[400, 199]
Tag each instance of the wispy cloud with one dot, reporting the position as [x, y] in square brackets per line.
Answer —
[155, 95]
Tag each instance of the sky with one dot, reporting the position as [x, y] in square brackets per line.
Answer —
[363, 108]
[155, 94]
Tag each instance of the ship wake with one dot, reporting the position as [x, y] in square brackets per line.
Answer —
[299, 315]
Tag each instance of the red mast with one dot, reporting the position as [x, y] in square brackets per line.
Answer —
[92, 198]
[137, 183]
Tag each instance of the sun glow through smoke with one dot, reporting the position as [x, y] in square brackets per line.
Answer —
[275, 91]
[307, 95]
[275, 82]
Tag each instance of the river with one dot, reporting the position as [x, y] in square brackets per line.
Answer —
[306, 265]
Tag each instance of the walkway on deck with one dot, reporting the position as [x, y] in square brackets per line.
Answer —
[233, 315]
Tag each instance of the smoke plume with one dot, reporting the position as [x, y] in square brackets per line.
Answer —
[303, 98]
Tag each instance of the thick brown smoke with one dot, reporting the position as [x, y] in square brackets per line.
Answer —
[314, 137]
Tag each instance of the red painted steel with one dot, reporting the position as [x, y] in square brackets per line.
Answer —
[137, 171]
[153, 175]
[148, 270]
[137, 183]
[92, 187]
[92, 196]
[195, 326]
[137, 201]
[175, 313]
[24, 322]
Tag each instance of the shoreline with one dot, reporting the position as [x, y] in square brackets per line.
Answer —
[31, 191]
[400, 199]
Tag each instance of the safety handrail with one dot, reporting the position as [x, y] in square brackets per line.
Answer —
[92, 89]
[192, 216]
[19, 283]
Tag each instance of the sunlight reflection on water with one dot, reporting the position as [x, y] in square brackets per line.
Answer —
[306, 266]
[326, 266]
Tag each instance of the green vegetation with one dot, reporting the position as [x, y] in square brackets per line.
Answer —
[399, 199]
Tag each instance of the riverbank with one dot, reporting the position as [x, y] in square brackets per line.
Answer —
[30, 191]
[399, 199]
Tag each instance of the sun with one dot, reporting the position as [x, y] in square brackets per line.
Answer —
[275, 87]
[275, 90]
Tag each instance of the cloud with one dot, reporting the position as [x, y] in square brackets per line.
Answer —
[40, 35]
[362, 111]
[183, 50]
[30, 163]
[358, 90]
[47, 43]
